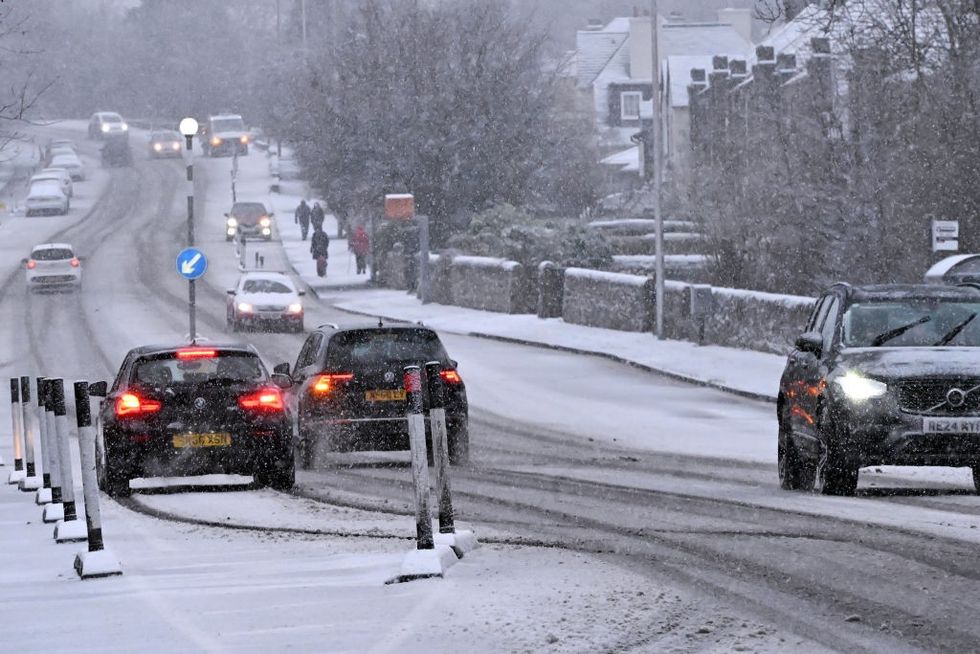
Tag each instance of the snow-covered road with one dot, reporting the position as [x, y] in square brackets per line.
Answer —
[657, 500]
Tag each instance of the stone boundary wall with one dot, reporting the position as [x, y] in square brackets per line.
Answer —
[487, 283]
[605, 299]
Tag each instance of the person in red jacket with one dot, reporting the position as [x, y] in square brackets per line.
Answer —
[360, 245]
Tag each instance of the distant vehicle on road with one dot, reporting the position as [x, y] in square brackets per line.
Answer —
[882, 375]
[46, 197]
[53, 266]
[349, 394]
[165, 143]
[265, 300]
[70, 162]
[248, 219]
[225, 134]
[188, 410]
[116, 152]
[59, 175]
[107, 124]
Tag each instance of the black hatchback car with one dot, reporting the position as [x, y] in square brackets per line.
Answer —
[189, 410]
[882, 375]
[349, 394]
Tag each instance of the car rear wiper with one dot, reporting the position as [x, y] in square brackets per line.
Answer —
[955, 331]
[884, 337]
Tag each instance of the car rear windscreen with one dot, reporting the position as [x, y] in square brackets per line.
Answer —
[52, 254]
[161, 370]
[380, 348]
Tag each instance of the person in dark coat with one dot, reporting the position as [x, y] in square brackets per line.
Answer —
[303, 218]
[360, 245]
[320, 249]
[316, 217]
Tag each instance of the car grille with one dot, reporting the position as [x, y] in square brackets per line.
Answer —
[928, 396]
[270, 307]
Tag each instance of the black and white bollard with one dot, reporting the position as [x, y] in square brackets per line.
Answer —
[462, 540]
[70, 528]
[31, 482]
[98, 561]
[54, 510]
[17, 432]
[44, 494]
[427, 559]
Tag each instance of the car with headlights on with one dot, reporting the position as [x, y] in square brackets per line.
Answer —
[248, 220]
[881, 375]
[225, 134]
[165, 143]
[107, 124]
[46, 196]
[265, 300]
[52, 266]
[179, 410]
[349, 395]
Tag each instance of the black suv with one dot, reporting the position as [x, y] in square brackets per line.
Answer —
[349, 391]
[882, 375]
[194, 410]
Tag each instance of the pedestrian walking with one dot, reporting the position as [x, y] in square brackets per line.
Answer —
[302, 218]
[316, 217]
[320, 249]
[360, 245]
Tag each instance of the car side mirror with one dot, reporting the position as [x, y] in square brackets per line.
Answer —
[230, 291]
[98, 389]
[811, 342]
[301, 293]
[454, 363]
[281, 369]
[282, 380]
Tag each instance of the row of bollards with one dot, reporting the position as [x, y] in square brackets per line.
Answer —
[43, 465]
[434, 553]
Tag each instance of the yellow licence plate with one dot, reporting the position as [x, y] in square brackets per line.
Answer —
[392, 395]
[202, 440]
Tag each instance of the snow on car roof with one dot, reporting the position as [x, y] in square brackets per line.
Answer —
[910, 291]
[52, 246]
[943, 266]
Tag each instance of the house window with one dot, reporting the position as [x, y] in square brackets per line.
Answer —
[629, 102]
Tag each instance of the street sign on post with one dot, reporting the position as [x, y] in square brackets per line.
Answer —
[191, 263]
[945, 235]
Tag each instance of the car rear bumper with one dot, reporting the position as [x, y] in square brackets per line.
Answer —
[374, 434]
[50, 280]
[46, 205]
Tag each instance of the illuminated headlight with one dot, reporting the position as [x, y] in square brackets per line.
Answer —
[175, 145]
[215, 141]
[125, 127]
[232, 231]
[859, 388]
[105, 127]
[244, 138]
[265, 221]
[245, 307]
[266, 231]
[232, 222]
[296, 308]
[157, 147]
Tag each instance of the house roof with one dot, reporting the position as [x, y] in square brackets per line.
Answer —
[680, 39]
[594, 48]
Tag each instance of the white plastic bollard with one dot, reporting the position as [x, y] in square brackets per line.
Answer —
[98, 561]
[31, 482]
[44, 494]
[55, 510]
[17, 432]
[70, 528]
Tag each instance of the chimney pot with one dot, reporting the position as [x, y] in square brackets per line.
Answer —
[820, 45]
[765, 53]
[719, 62]
[698, 75]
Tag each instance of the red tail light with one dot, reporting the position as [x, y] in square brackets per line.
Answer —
[196, 353]
[267, 399]
[31, 264]
[325, 384]
[450, 377]
[130, 404]
[74, 263]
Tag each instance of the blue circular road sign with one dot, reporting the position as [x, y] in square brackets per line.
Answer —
[191, 263]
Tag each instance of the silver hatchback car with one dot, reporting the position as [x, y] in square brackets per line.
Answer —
[53, 266]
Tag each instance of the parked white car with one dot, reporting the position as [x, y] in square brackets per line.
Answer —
[53, 265]
[63, 178]
[46, 197]
[70, 162]
[65, 175]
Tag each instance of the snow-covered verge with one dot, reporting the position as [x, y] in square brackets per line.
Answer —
[755, 374]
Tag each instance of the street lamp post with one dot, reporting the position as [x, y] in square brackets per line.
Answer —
[188, 127]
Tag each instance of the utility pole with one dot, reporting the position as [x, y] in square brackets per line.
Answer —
[656, 134]
[303, 11]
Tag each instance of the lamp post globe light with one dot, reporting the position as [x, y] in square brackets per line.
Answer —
[188, 127]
